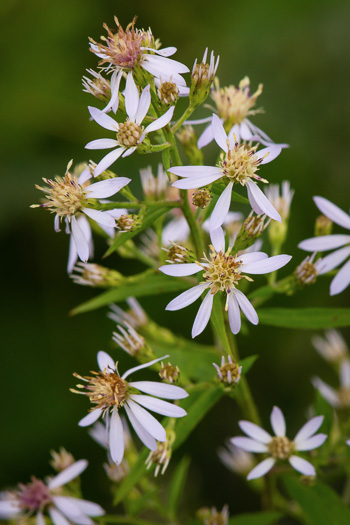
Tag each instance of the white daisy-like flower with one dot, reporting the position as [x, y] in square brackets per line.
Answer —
[133, 48]
[309, 269]
[341, 244]
[238, 165]
[130, 133]
[222, 272]
[336, 398]
[229, 372]
[332, 347]
[279, 447]
[110, 392]
[236, 459]
[281, 199]
[135, 316]
[39, 497]
[69, 198]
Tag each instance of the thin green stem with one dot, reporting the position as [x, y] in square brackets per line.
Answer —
[186, 114]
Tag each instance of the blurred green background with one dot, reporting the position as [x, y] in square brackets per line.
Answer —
[300, 51]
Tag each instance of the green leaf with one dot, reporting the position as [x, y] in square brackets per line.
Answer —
[218, 188]
[177, 486]
[133, 478]
[264, 292]
[305, 318]
[201, 399]
[256, 518]
[320, 504]
[140, 285]
[247, 363]
[149, 218]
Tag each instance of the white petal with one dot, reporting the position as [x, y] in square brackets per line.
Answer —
[219, 133]
[145, 365]
[40, 520]
[193, 171]
[245, 132]
[149, 422]
[144, 436]
[102, 144]
[101, 217]
[278, 422]
[106, 162]
[102, 119]
[116, 437]
[191, 183]
[246, 307]
[341, 280]
[69, 508]
[68, 474]
[206, 137]
[80, 241]
[248, 258]
[105, 362]
[203, 315]
[333, 212]
[165, 52]
[303, 466]
[114, 101]
[177, 230]
[324, 243]
[217, 238]
[266, 265]
[234, 314]
[156, 65]
[255, 432]
[131, 97]
[57, 517]
[313, 442]
[181, 270]
[9, 509]
[248, 444]
[129, 151]
[221, 209]
[160, 389]
[106, 188]
[327, 392]
[90, 418]
[161, 121]
[333, 260]
[271, 153]
[88, 507]
[308, 429]
[260, 202]
[144, 104]
[159, 406]
[261, 469]
[186, 298]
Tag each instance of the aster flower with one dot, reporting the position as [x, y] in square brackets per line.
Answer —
[341, 244]
[332, 347]
[279, 447]
[132, 48]
[39, 497]
[110, 392]
[69, 198]
[238, 165]
[336, 398]
[281, 199]
[228, 372]
[154, 188]
[130, 133]
[309, 269]
[135, 316]
[222, 272]
[236, 459]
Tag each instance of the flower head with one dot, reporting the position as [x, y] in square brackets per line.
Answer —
[228, 372]
[339, 398]
[38, 497]
[341, 244]
[279, 447]
[222, 272]
[332, 347]
[129, 134]
[239, 164]
[110, 393]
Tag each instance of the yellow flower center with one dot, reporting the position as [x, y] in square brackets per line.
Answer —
[235, 104]
[168, 93]
[240, 164]
[222, 271]
[65, 196]
[280, 447]
[129, 134]
[104, 389]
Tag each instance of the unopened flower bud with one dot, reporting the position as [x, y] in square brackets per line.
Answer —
[230, 372]
[179, 254]
[95, 275]
[281, 201]
[201, 198]
[213, 516]
[61, 459]
[117, 473]
[323, 226]
[333, 347]
[189, 139]
[162, 455]
[128, 222]
[236, 459]
[307, 272]
[98, 86]
[202, 78]
[169, 373]
[128, 339]
[252, 228]
[154, 188]
[168, 93]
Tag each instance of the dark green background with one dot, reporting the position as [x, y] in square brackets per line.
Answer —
[300, 51]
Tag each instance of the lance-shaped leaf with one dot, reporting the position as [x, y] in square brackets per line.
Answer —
[256, 518]
[305, 318]
[176, 487]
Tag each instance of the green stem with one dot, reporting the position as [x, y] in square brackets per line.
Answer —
[187, 113]
[124, 519]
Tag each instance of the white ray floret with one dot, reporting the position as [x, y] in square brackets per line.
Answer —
[332, 347]
[222, 272]
[39, 497]
[130, 133]
[238, 165]
[279, 447]
[337, 398]
[341, 244]
[110, 392]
